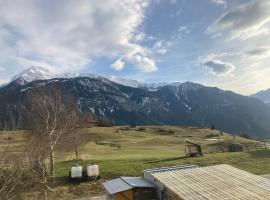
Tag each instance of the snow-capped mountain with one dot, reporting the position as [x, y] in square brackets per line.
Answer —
[169, 104]
[3, 85]
[126, 82]
[138, 84]
[32, 74]
[263, 95]
[40, 73]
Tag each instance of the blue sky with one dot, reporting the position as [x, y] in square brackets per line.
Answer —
[223, 43]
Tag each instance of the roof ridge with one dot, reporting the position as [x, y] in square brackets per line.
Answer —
[121, 177]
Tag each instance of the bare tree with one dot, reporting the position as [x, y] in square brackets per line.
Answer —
[37, 158]
[49, 118]
[12, 167]
[76, 130]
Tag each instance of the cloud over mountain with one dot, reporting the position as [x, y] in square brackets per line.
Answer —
[217, 67]
[66, 35]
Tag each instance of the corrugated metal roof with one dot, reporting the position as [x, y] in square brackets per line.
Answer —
[214, 182]
[171, 168]
[125, 183]
[137, 182]
[116, 185]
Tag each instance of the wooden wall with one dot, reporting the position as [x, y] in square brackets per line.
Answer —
[127, 195]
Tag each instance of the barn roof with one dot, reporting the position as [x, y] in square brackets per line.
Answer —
[125, 183]
[214, 182]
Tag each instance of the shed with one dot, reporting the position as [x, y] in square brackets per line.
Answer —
[193, 149]
[129, 188]
[209, 183]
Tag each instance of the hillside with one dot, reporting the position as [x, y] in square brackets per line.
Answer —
[173, 104]
[140, 148]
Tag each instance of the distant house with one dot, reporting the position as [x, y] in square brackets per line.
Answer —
[129, 188]
[193, 149]
[220, 182]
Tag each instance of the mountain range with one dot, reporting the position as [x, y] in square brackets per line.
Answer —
[127, 101]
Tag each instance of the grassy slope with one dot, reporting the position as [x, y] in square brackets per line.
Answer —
[146, 147]
[146, 142]
[141, 148]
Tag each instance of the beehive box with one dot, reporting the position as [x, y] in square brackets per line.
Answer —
[92, 170]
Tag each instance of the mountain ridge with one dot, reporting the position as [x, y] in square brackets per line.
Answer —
[263, 95]
[177, 104]
[39, 73]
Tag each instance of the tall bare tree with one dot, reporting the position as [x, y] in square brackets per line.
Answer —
[49, 118]
[77, 132]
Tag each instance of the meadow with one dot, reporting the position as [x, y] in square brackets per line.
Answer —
[127, 151]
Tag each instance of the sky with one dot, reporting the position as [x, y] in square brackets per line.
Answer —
[222, 43]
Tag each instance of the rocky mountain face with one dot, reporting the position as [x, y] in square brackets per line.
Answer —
[167, 104]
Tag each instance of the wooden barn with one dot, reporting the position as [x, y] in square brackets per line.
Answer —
[222, 182]
[193, 149]
[129, 188]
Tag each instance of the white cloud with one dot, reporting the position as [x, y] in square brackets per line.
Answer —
[118, 65]
[139, 37]
[258, 53]
[161, 47]
[244, 21]
[143, 64]
[66, 35]
[219, 2]
[217, 67]
[183, 29]
[251, 54]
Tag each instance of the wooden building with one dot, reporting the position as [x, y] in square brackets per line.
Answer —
[193, 149]
[220, 182]
[129, 188]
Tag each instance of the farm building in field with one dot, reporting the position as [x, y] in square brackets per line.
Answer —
[129, 188]
[220, 182]
[193, 149]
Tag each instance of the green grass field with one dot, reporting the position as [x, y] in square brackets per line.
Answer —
[141, 148]
[146, 142]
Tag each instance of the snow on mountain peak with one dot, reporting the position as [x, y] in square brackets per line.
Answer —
[126, 82]
[32, 74]
[40, 73]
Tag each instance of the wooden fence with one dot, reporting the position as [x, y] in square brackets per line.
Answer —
[258, 146]
[238, 147]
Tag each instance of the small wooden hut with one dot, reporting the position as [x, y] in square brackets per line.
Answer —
[192, 149]
[129, 188]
